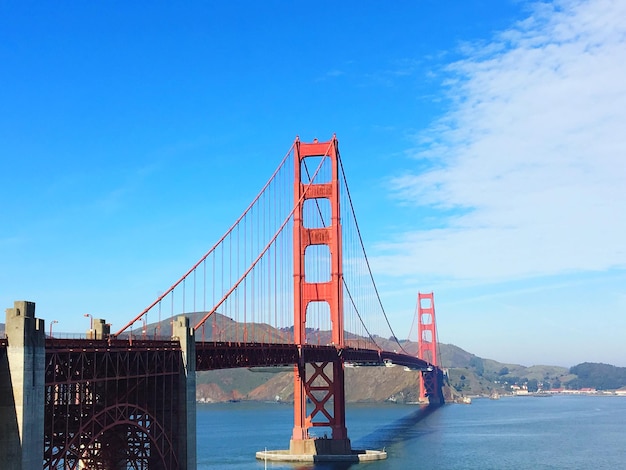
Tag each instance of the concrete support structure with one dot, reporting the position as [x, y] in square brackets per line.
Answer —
[187, 419]
[101, 329]
[22, 381]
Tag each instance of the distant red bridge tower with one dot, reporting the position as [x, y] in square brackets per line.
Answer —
[430, 386]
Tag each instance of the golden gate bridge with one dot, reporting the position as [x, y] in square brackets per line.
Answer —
[289, 284]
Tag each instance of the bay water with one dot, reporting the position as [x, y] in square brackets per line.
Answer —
[558, 432]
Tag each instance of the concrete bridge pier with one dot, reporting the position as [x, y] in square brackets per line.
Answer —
[187, 419]
[22, 384]
[100, 329]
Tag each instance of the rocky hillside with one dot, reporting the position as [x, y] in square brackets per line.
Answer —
[468, 374]
[363, 384]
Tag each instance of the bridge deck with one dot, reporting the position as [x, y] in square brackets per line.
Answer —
[227, 355]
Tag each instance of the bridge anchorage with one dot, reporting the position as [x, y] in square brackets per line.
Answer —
[287, 285]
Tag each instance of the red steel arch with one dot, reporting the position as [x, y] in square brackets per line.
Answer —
[150, 448]
[110, 405]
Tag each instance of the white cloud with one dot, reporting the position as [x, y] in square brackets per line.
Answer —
[530, 157]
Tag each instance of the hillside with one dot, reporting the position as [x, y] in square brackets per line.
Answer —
[363, 384]
[468, 374]
[472, 375]
[599, 376]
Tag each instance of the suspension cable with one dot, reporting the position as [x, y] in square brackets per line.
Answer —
[343, 174]
[162, 296]
[269, 244]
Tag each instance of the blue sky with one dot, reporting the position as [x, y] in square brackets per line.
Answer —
[483, 143]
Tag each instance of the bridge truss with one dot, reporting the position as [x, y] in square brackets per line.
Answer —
[112, 405]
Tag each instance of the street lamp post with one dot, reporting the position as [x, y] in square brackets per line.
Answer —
[90, 333]
[130, 333]
[52, 323]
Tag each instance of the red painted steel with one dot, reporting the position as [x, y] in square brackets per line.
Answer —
[322, 389]
[231, 354]
[427, 341]
[113, 403]
[110, 404]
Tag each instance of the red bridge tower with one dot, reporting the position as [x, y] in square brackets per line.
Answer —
[430, 382]
[323, 388]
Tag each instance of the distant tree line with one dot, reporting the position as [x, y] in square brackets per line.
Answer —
[589, 375]
[598, 376]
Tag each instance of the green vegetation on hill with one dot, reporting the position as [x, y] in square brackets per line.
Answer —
[467, 373]
[598, 376]
[472, 375]
[242, 380]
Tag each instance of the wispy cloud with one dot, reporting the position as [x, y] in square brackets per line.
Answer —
[332, 74]
[529, 161]
[394, 71]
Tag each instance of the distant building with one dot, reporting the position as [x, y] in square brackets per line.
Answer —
[582, 391]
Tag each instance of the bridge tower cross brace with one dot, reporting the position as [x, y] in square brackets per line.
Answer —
[331, 411]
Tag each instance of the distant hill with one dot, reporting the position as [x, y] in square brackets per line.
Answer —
[468, 374]
[472, 375]
[598, 376]
[217, 327]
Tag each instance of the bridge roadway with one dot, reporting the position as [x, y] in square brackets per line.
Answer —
[227, 355]
[212, 355]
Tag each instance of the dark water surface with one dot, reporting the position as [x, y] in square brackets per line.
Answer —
[577, 432]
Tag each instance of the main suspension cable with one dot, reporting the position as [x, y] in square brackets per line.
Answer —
[356, 224]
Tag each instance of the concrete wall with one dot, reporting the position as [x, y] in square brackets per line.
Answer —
[10, 448]
[101, 329]
[22, 385]
[187, 422]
